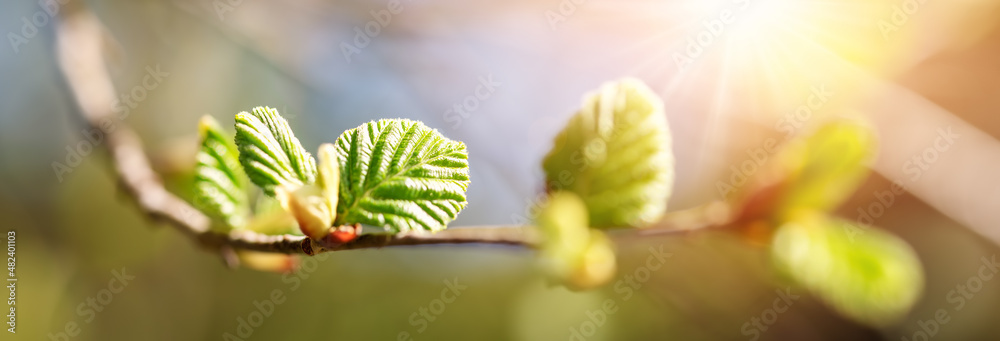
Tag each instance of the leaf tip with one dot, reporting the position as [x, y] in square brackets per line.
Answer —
[206, 124]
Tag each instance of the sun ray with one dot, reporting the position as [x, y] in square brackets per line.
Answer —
[714, 131]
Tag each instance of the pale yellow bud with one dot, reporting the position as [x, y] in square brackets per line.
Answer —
[329, 176]
[309, 207]
[572, 253]
[596, 266]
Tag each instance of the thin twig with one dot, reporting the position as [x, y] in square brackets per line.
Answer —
[79, 39]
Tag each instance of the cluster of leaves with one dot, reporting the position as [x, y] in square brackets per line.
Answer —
[394, 174]
[866, 274]
[612, 167]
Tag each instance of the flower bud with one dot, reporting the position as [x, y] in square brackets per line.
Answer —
[309, 207]
[572, 253]
[595, 266]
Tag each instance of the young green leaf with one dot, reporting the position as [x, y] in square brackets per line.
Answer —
[269, 151]
[220, 185]
[615, 153]
[814, 173]
[826, 167]
[571, 252]
[872, 277]
[401, 175]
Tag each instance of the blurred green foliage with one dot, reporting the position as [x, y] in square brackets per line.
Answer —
[615, 153]
[220, 183]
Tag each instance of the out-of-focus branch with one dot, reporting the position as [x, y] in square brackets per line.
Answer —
[79, 44]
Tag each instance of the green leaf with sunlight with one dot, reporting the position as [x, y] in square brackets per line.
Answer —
[824, 169]
[870, 276]
[571, 252]
[220, 184]
[401, 175]
[615, 153]
[269, 151]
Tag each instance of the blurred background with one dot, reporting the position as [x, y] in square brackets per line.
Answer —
[732, 73]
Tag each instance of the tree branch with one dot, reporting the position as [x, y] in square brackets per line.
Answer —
[79, 44]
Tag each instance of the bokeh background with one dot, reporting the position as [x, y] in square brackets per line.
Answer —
[913, 67]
